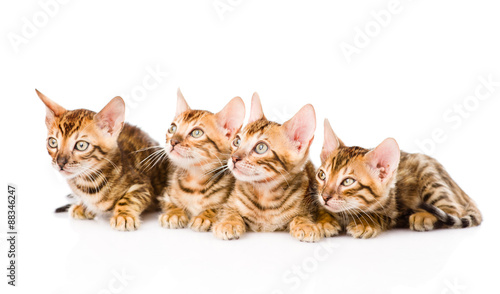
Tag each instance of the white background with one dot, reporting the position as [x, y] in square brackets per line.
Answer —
[409, 74]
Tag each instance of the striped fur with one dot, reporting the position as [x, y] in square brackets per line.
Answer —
[199, 182]
[106, 177]
[415, 192]
[275, 190]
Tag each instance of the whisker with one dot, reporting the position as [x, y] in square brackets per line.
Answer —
[217, 174]
[147, 148]
[154, 159]
[150, 158]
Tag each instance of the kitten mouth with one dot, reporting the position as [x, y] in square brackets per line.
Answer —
[180, 153]
[242, 169]
[65, 172]
[244, 173]
[68, 174]
[335, 205]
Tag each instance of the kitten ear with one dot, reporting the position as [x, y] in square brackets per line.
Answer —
[256, 111]
[111, 118]
[300, 128]
[231, 117]
[384, 158]
[53, 109]
[330, 142]
[181, 103]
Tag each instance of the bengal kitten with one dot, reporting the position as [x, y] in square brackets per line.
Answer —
[97, 154]
[370, 191]
[275, 185]
[198, 145]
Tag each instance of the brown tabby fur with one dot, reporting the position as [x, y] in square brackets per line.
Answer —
[199, 182]
[275, 190]
[106, 177]
[418, 193]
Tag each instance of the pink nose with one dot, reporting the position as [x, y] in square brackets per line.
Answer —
[235, 158]
[326, 197]
[174, 142]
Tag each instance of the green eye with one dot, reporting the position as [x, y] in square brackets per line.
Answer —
[321, 175]
[172, 129]
[348, 182]
[52, 142]
[81, 145]
[197, 133]
[261, 148]
[237, 142]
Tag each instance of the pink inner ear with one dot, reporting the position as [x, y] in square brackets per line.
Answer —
[112, 116]
[330, 142]
[256, 111]
[182, 105]
[385, 158]
[231, 117]
[302, 135]
[300, 128]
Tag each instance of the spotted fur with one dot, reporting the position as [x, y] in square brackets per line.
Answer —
[199, 182]
[389, 187]
[105, 177]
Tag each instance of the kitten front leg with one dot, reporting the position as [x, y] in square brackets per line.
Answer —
[304, 229]
[203, 221]
[366, 226]
[80, 211]
[172, 217]
[230, 225]
[128, 209]
[327, 224]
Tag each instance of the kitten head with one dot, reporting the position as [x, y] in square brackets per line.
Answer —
[199, 138]
[354, 178]
[78, 140]
[265, 151]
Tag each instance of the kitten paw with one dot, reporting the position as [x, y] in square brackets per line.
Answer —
[228, 230]
[124, 222]
[173, 219]
[78, 211]
[201, 223]
[329, 229]
[422, 221]
[363, 231]
[306, 232]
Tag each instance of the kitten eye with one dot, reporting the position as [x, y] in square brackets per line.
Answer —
[197, 133]
[172, 129]
[348, 182]
[321, 175]
[81, 145]
[52, 142]
[261, 148]
[237, 142]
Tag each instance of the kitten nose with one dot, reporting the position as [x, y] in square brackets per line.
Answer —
[235, 158]
[61, 161]
[174, 142]
[326, 197]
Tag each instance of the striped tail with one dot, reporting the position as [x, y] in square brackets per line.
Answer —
[66, 207]
[470, 220]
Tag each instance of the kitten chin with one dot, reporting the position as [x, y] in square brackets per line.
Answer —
[245, 173]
